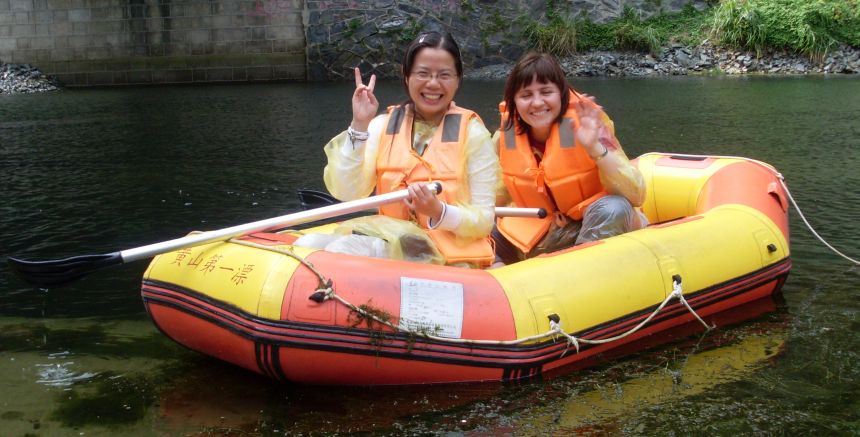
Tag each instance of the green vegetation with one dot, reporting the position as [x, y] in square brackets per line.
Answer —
[811, 27]
[565, 35]
[352, 27]
[409, 32]
[557, 37]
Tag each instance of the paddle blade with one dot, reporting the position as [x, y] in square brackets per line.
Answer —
[314, 199]
[58, 272]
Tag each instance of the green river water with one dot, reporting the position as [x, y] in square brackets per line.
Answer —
[94, 171]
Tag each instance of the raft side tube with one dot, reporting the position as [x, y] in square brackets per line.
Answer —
[625, 274]
[376, 283]
[251, 280]
[674, 184]
[750, 184]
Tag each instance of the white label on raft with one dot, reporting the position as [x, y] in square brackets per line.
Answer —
[434, 307]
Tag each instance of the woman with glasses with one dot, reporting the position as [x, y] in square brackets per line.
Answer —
[426, 138]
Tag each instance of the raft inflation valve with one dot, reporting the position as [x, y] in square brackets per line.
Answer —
[771, 248]
[554, 318]
[317, 297]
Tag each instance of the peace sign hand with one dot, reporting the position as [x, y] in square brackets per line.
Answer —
[364, 103]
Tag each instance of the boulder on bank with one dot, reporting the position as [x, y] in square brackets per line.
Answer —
[25, 79]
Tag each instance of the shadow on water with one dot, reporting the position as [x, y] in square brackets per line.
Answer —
[109, 401]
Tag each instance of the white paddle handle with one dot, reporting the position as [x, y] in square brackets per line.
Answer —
[283, 221]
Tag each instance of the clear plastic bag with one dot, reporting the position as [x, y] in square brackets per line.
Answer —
[377, 236]
[562, 234]
[405, 239]
[316, 240]
[361, 245]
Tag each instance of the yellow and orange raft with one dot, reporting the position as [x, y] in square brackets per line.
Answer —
[719, 239]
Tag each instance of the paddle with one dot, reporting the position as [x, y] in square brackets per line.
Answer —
[316, 199]
[52, 273]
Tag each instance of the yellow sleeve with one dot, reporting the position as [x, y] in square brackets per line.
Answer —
[503, 198]
[351, 169]
[618, 175]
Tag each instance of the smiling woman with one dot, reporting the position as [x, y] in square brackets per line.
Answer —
[554, 150]
[432, 82]
[428, 137]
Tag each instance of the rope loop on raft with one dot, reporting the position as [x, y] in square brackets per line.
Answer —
[677, 293]
[325, 291]
[555, 326]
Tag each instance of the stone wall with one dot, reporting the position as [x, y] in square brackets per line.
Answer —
[372, 34]
[116, 42]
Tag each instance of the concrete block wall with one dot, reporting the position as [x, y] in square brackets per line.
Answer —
[126, 42]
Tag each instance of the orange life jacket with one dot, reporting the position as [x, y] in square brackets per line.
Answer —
[566, 179]
[398, 165]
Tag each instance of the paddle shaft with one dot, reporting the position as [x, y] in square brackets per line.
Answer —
[507, 211]
[314, 198]
[283, 221]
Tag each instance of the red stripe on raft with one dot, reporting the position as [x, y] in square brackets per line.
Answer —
[322, 354]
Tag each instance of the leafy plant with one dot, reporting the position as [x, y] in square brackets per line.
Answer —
[557, 37]
[808, 26]
[631, 33]
[812, 27]
[562, 36]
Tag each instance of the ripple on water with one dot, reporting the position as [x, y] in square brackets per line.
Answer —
[62, 374]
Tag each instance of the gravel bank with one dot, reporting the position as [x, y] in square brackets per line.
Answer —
[705, 59]
[25, 79]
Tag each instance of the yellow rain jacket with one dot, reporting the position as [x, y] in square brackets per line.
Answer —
[352, 173]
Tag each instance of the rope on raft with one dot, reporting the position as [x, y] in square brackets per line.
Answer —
[787, 193]
[802, 217]
[325, 291]
[677, 293]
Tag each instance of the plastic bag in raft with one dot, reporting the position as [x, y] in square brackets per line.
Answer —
[378, 237]
[405, 239]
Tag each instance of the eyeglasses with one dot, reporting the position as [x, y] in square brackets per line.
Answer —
[426, 76]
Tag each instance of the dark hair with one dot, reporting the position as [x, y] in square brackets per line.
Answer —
[433, 40]
[542, 67]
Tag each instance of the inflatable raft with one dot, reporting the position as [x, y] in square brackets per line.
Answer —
[719, 241]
